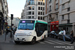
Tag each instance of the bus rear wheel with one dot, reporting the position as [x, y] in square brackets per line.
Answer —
[44, 38]
[33, 41]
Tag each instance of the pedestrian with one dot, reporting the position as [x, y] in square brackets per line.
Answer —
[64, 33]
[13, 29]
[7, 30]
[71, 36]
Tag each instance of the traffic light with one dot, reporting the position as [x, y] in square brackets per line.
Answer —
[11, 16]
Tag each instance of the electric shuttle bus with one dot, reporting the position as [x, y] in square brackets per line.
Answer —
[30, 30]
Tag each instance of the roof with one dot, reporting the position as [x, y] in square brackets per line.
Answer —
[33, 19]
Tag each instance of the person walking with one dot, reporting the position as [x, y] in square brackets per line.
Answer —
[7, 30]
[64, 33]
[13, 29]
[71, 36]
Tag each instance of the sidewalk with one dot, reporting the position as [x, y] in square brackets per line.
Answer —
[2, 38]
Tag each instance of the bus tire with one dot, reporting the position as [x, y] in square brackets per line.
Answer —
[16, 42]
[33, 40]
[44, 38]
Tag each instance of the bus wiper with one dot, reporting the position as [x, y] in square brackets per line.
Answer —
[27, 29]
[21, 29]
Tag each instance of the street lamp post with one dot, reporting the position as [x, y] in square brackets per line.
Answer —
[6, 28]
[11, 25]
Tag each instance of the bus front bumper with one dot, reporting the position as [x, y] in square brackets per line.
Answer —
[23, 38]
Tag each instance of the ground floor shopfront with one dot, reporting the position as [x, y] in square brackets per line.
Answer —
[1, 23]
[54, 25]
[68, 27]
[73, 28]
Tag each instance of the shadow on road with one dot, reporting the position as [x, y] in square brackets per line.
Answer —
[28, 43]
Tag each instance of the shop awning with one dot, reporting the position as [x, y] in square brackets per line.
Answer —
[64, 25]
[54, 23]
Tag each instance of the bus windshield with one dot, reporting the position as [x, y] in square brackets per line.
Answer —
[26, 25]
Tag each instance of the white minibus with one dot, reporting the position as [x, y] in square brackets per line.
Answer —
[30, 30]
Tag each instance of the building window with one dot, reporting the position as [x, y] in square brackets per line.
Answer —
[56, 6]
[50, 17]
[63, 6]
[41, 3]
[50, 9]
[68, 20]
[32, 13]
[57, 16]
[41, 13]
[32, 8]
[29, 17]
[41, 18]
[38, 8]
[32, 17]
[38, 3]
[38, 17]
[68, 15]
[29, 13]
[62, 17]
[38, 13]
[55, 0]
[68, 9]
[31, 3]
[50, 1]
[29, 8]
[41, 8]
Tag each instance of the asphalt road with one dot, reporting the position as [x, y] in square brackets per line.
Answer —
[48, 44]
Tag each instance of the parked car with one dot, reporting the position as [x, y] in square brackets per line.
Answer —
[53, 34]
[56, 35]
[60, 36]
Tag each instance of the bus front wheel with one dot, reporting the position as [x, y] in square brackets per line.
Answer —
[17, 42]
[33, 41]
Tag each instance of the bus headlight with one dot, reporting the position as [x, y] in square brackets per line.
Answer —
[29, 34]
[15, 34]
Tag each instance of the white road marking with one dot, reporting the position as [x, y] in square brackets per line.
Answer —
[58, 42]
[42, 42]
[48, 42]
[55, 42]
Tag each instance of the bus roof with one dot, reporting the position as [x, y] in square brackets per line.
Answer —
[28, 19]
[41, 21]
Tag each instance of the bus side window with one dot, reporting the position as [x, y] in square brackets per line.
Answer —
[36, 27]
